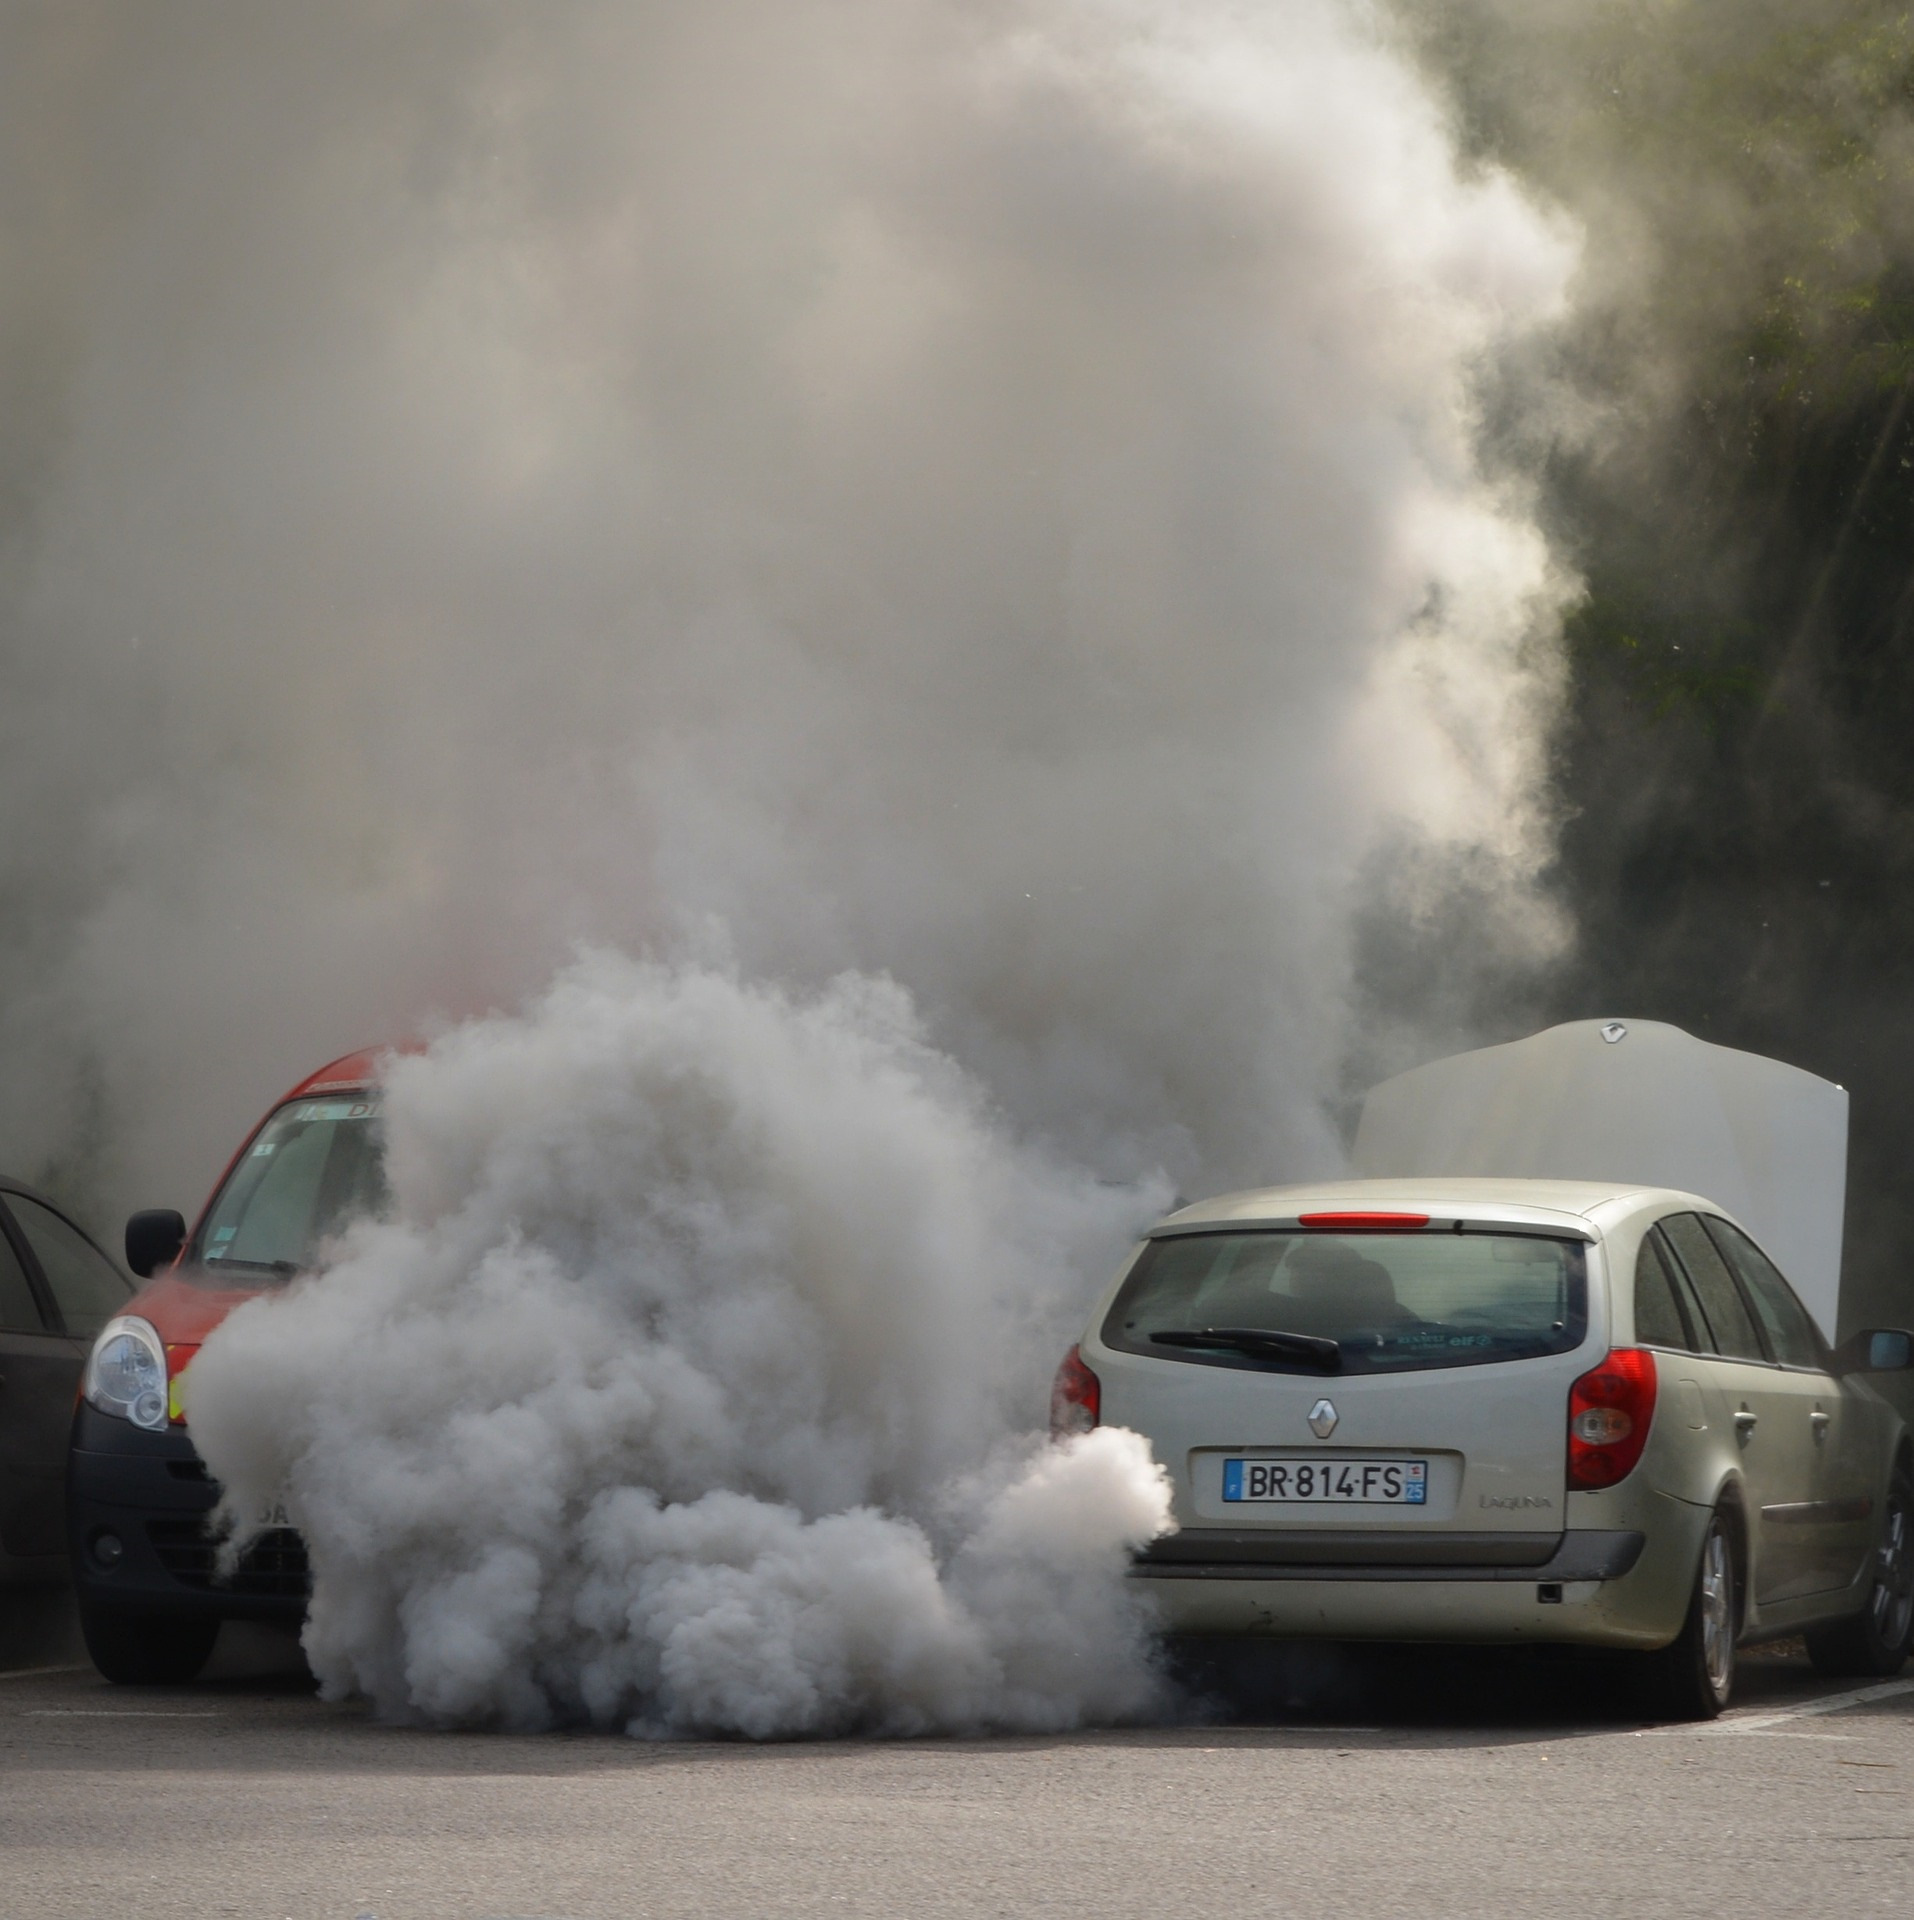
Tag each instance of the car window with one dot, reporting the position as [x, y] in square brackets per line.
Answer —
[1659, 1319]
[1791, 1334]
[315, 1167]
[1685, 1297]
[1729, 1320]
[1391, 1302]
[86, 1286]
[19, 1311]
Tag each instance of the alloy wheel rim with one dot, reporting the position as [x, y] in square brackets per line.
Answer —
[1894, 1577]
[1717, 1614]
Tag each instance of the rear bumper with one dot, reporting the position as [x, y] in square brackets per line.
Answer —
[151, 1493]
[1607, 1587]
[1578, 1556]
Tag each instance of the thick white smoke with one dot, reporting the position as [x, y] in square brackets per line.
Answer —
[674, 1392]
[978, 495]
[984, 494]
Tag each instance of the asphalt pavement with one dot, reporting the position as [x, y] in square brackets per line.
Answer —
[1423, 1784]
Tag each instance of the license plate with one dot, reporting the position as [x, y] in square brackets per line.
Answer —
[1373, 1483]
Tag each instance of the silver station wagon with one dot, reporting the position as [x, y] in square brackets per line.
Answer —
[1503, 1409]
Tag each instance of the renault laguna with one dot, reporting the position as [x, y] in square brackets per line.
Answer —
[1499, 1408]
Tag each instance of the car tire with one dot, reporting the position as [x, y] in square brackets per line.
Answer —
[1693, 1677]
[146, 1649]
[1875, 1641]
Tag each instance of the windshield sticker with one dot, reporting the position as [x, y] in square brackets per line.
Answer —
[313, 1110]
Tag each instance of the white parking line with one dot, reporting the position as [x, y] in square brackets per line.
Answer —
[34, 1673]
[1829, 1703]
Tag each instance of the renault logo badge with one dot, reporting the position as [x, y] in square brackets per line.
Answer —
[1322, 1419]
[1614, 1031]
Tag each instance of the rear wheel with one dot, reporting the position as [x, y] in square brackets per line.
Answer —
[146, 1649]
[1876, 1640]
[1692, 1678]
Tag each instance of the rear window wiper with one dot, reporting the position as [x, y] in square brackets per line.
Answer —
[1261, 1343]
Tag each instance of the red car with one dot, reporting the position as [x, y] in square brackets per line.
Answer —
[138, 1495]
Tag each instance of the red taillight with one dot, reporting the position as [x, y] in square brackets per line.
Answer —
[1076, 1398]
[1363, 1222]
[1609, 1411]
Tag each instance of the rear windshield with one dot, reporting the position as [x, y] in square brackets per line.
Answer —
[1361, 1303]
[313, 1168]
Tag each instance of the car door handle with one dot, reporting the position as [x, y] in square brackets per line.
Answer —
[1819, 1422]
[1744, 1424]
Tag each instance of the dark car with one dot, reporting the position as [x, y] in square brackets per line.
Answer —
[57, 1290]
[139, 1500]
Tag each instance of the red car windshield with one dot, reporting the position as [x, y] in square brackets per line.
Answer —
[312, 1169]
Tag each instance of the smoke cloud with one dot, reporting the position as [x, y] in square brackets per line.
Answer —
[968, 514]
[983, 495]
[673, 1392]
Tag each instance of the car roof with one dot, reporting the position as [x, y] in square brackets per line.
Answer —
[350, 1072]
[10, 1185]
[1572, 1204]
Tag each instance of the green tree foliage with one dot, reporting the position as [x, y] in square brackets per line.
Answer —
[1727, 444]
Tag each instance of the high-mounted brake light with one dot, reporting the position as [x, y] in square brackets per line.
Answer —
[1076, 1398]
[1609, 1411]
[1363, 1222]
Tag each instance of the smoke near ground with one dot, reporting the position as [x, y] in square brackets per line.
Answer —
[954, 531]
[674, 1394]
